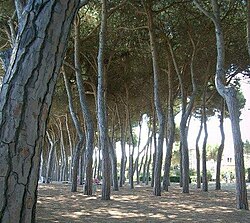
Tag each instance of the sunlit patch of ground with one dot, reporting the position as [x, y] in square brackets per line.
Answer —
[57, 204]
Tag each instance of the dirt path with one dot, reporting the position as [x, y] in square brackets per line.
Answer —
[57, 204]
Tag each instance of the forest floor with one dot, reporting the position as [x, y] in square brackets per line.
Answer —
[57, 204]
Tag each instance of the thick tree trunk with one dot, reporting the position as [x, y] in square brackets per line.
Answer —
[101, 107]
[25, 101]
[221, 147]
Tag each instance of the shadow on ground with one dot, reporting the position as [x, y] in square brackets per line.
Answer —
[57, 204]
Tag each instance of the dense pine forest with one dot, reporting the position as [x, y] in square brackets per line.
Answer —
[79, 78]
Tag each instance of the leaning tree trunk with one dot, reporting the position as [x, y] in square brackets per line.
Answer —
[86, 113]
[186, 112]
[157, 104]
[25, 101]
[221, 147]
[80, 135]
[101, 107]
[230, 96]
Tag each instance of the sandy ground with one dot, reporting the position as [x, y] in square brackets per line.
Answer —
[57, 204]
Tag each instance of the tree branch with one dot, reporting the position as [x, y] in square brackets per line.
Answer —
[203, 10]
[111, 11]
[19, 4]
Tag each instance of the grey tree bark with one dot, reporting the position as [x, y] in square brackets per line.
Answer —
[131, 152]
[86, 113]
[221, 147]
[229, 94]
[113, 159]
[136, 169]
[204, 145]
[170, 129]
[51, 155]
[186, 111]
[101, 106]
[80, 134]
[25, 101]
[157, 104]
[198, 156]
[123, 131]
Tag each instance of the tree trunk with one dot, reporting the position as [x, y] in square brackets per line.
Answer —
[229, 94]
[204, 154]
[86, 113]
[82, 166]
[113, 159]
[153, 155]
[221, 147]
[50, 158]
[157, 104]
[95, 164]
[171, 130]
[131, 154]
[149, 164]
[64, 156]
[70, 147]
[138, 154]
[99, 167]
[25, 101]
[43, 165]
[80, 135]
[198, 158]
[101, 106]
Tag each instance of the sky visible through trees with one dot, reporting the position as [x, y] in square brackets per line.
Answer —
[123, 61]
